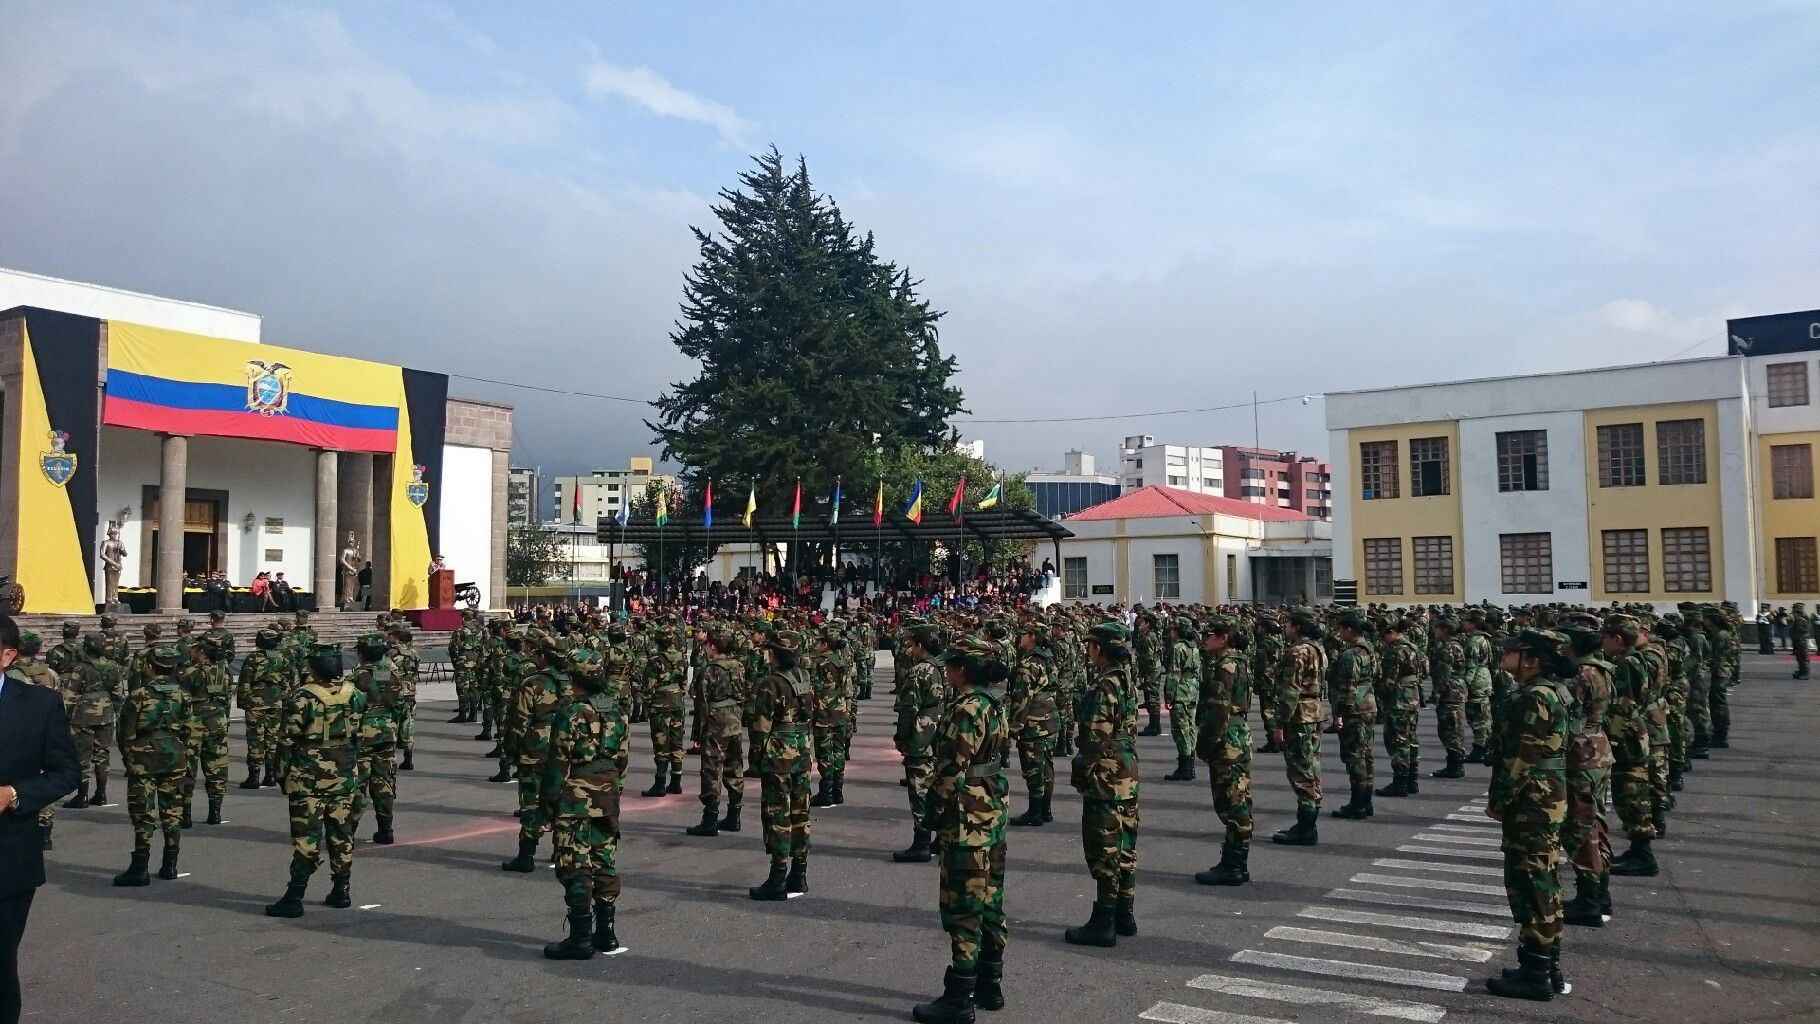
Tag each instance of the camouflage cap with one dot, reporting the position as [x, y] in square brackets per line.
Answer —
[110, 620]
[268, 637]
[95, 643]
[788, 640]
[617, 632]
[217, 616]
[926, 633]
[162, 656]
[1619, 624]
[29, 642]
[370, 643]
[1185, 626]
[585, 663]
[402, 630]
[1536, 641]
[1269, 624]
[71, 629]
[1110, 633]
[185, 624]
[1355, 620]
[1305, 621]
[153, 630]
[1222, 625]
[969, 649]
[303, 617]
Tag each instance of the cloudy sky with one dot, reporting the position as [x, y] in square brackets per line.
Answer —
[1122, 213]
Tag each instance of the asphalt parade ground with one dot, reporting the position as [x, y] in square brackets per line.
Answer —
[1398, 918]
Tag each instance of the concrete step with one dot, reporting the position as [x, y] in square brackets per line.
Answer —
[330, 627]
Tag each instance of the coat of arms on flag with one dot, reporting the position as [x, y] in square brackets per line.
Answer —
[268, 387]
[59, 466]
[418, 490]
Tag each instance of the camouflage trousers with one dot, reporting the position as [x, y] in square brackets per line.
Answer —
[831, 748]
[155, 802]
[467, 689]
[723, 765]
[1631, 798]
[1355, 749]
[919, 771]
[1530, 883]
[377, 771]
[1181, 727]
[784, 807]
[1109, 839]
[1678, 736]
[1720, 701]
[1658, 776]
[1450, 721]
[1267, 713]
[1230, 775]
[261, 737]
[530, 801]
[1401, 741]
[406, 720]
[1302, 758]
[586, 851]
[1585, 836]
[1036, 760]
[91, 748]
[972, 902]
[498, 697]
[209, 752]
[316, 817]
[1699, 707]
[666, 733]
[1150, 686]
[1064, 715]
[1478, 709]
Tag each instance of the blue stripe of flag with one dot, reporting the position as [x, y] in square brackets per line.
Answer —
[175, 394]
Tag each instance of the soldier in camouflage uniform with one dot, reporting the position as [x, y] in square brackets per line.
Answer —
[1800, 637]
[67, 653]
[919, 705]
[1403, 669]
[210, 688]
[757, 667]
[1225, 744]
[218, 633]
[1032, 699]
[1105, 773]
[1529, 797]
[510, 666]
[966, 807]
[1628, 730]
[1352, 681]
[724, 697]
[1475, 673]
[1302, 712]
[1722, 660]
[116, 646]
[39, 672]
[1674, 695]
[1585, 836]
[466, 645]
[318, 768]
[406, 666]
[580, 793]
[666, 702]
[831, 673]
[783, 708]
[377, 680]
[99, 688]
[154, 736]
[264, 678]
[1449, 664]
[533, 714]
[1267, 653]
[1152, 652]
[1698, 671]
[1182, 692]
[1656, 661]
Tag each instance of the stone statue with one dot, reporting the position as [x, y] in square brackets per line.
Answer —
[113, 556]
[350, 571]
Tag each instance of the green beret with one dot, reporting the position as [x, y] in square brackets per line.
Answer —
[162, 655]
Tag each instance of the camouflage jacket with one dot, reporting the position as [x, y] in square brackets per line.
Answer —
[118, 648]
[100, 687]
[967, 791]
[1625, 724]
[833, 698]
[154, 728]
[724, 697]
[38, 673]
[1147, 644]
[264, 678]
[1183, 682]
[1302, 685]
[377, 682]
[1265, 657]
[581, 774]
[1592, 689]
[1031, 696]
[64, 657]
[1529, 789]
[1352, 680]
[1404, 667]
[919, 704]
[666, 679]
[534, 711]
[406, 666]
[1475, 669]
[466, 647]
[210, 691]
[1106, 763]
[1654, 697]
[223, 638]
[319, 738]
[1449, 665]
[783, 708]
[1225, 700]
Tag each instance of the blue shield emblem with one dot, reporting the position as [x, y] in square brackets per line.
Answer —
[59, 466]
[418, 490]
[268, 387]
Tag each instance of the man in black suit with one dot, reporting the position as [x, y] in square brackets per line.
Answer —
[37, 767]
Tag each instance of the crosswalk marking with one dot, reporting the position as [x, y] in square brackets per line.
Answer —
[1434, 950]
[1467, 817]
[1448, 837]
[1464, 929]
[1176, 1013]
[1424, 1013]
[1443, 884]
[1348, 969]
[1466, 829]
[1399, 899]
[1452, 851]
[1435, 865]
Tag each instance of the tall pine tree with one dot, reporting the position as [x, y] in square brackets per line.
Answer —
[816, 356]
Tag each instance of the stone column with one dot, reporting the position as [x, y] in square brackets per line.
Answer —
[356, 501]
[382, 532]
[173, 484]
[12, 385]
[328, 484]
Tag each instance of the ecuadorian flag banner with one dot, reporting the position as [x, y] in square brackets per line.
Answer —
[179, 383]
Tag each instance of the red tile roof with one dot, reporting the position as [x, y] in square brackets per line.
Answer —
[1157, 502]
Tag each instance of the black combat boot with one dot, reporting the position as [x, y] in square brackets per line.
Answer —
[1659, 817]
[919, 852]
[1184, 771]
[186, 821]
[486, 732]
[580, 943]
[798, 880]
[822, 797]
[1033, 814]
[1232, 868]
[659, 784]
[1604, 896]
[1124, 917]
[1048, 815]
[135, 873]
[1154, 727]
[730, 823]
[1477, 754]
[1532, 979]
[954, 1005]
[338, 896]
[606, 940]
[1304, 832]
[100, 797]
[252, 778]
[1358, 808]
[526, 861]
[1721, 740]
[709, 826]
[291, 903]
[772, 888]
[989, 990]
[383, 835]
[1098, 930]
[1398, 786]
[504, 774]
[80, 800]
[1409, 781]
[460, 716]
[1454, 769]
[1638, 862]
[1269, 747]
[1583, 909]
[266, 778]
[407, 766]
[838, 792]
[167, 866]
[1556, 980]
[494, 751]
[675, 786]
[214, 817]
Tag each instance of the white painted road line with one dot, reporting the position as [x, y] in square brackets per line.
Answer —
[1176, 1013]
[1434, 950]
[1435, 865]
[1425, 1013]
[1348, 969]
[369, 906]
[1463, 929]
[1453, 851]
[1443, 884]
[1448, 837]
[1467, 817]
[1398, 899]
[1467, 829]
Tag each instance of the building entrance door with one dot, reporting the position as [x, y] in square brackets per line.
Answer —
[204, 539]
